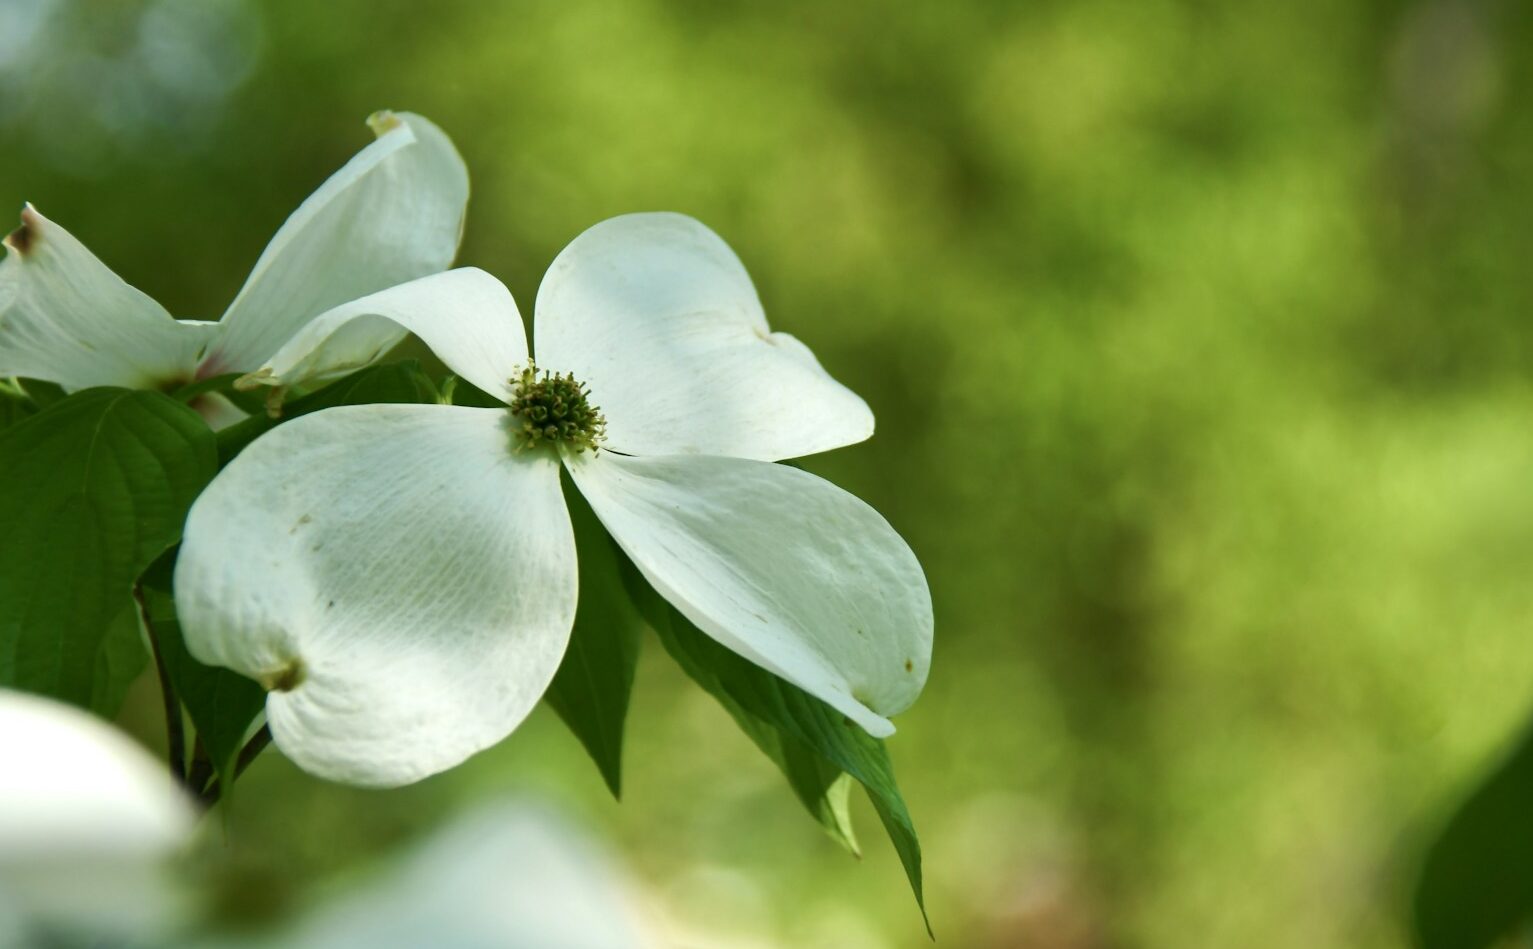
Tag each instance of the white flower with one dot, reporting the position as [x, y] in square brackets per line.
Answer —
[402, 577]
[87, 822]
[391, 214]
[514, 875]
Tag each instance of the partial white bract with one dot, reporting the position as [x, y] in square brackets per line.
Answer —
[87, 823]
[402, 577]
[510, 876]
[392, 214]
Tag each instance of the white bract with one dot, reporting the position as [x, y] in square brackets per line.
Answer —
[87, 823]
[509, 876]
[391, 214]
[402, 577]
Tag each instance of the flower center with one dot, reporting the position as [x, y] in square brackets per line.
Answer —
[555, 410]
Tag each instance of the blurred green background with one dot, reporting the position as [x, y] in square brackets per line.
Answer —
[1198, 338]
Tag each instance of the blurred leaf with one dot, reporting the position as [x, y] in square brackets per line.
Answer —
[399, 382]
[94, 488]
[592, 687]
[792, 727]
[1475, 887]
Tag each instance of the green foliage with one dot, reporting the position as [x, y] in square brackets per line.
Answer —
[42, 394]
[13, 410]
[22, 398]
[812, 743]
[1198, 339]
[592, 687]
[220, 703]
[1474, 886]
[95, 487]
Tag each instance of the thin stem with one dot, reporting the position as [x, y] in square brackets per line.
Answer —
[248, 754]
[174, 734]
[202, 768]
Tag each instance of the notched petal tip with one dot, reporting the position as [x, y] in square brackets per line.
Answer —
[24, 238]
[285, 679]
[384, 121]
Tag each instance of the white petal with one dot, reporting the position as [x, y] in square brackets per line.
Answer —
[87, 821]
[783, 567]
[656, 314]
[65, 317]
[466, 316]
[393, 213]
[401, 581]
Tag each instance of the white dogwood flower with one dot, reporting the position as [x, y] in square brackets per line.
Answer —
[512, 874]
[391, 214]
[88, 821]
[402, 577]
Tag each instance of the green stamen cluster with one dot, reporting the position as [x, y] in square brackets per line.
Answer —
[556, 410]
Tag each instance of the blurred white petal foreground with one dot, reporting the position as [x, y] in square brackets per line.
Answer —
[87, 823]
[402, 577]
[511, 876]
[391, 214]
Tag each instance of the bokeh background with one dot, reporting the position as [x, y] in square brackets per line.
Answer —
[1198, 334]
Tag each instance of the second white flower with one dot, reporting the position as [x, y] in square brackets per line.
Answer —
[402, 578]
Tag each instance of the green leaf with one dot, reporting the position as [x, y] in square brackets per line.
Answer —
[592, 687]
[93, 489]
[811, 742]
[400, 382]
[824, 789]
[13, 410]
[466, 393]
[221, 703]
[43, 394]
[1474, 886]
[21, 399]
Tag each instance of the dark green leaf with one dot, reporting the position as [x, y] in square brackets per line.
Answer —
[592, 687]
[220, 703]
[395, 382]
[824, 789]
[222, 384]
[92, 489]
[13, 410]
[1475, 887]
[466, 393]
[23, 398]
[793, 727]
[42, 394]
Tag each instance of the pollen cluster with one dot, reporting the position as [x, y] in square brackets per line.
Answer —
[555, 410]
